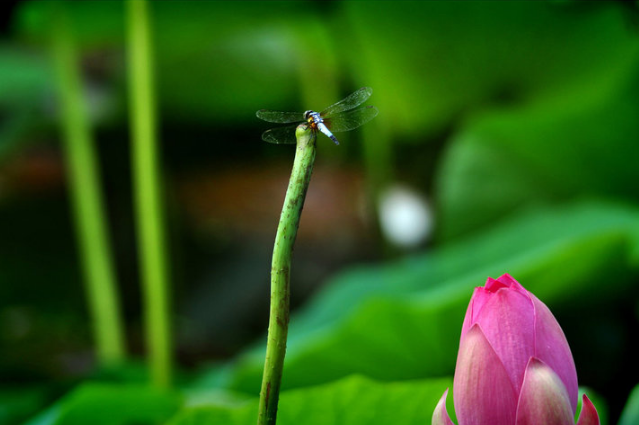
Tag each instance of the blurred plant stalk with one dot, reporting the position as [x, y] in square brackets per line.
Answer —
[281, 273]
[147, 193]
[83, 177]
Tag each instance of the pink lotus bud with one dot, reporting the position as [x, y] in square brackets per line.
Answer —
[514, 366]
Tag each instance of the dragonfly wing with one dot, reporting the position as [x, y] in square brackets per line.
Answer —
[280, 135]
[350, 102]
[280, 117]
[352, 119]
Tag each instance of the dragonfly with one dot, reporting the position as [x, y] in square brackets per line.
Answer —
[341, 116]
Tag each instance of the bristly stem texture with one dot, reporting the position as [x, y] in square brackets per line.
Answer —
[280, 274]
[83, 178]
[148, 201]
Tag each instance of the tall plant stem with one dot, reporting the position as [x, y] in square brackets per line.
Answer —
[148, 202]
[82, 173]
[280, 275]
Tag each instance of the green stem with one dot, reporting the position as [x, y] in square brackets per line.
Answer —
[280, 274]
[148, 202]
[87, 203]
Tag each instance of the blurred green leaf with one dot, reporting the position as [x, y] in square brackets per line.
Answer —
[351, 401]
[24, 76]
[432, 63]
[630, 415]
[215, 61]
[429, 62]
[111, 404]
[402, 320]
[542, 154]
[16, 404]
[25, 83]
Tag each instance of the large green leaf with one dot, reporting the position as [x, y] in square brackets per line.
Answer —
[630, 415]
[111, 404]
[17, 403]
[351, 401]
[432, 62]
[544, 153]
[402, 320]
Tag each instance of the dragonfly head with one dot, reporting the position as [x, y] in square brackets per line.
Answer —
[307, 115]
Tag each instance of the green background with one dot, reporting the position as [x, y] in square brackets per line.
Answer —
[518, 122]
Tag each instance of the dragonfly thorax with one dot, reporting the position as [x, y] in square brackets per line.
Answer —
[313, 118]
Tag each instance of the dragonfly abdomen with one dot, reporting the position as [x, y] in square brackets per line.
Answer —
[327, 132]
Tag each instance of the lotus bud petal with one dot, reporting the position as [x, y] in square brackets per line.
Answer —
[543, 398]
[588, 415]
[440, 414]
[514, 365]
[482, 389]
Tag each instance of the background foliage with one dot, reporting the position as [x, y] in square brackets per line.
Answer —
[517, 121]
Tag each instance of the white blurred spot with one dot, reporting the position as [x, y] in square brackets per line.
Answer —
[405, 216]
